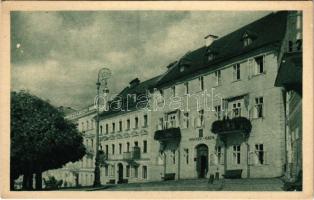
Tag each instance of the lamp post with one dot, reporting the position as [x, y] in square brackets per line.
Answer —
[103, 76]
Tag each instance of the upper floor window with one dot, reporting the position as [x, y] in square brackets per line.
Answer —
[218, 112]
[172, 120]
[186, 120]
[186, 87]
[120, 126]
[83, 126]
[182, 68]
[107, 128]
[160, 123]
[236, 72]
[201, 82]
[128, 147]
[136, 122]
[120, 148]
[201, 115]
[290, 46]
[145, 146]
[236, 109]
[145, 121]
[218, 77]
[87, 125]
[113, 148]
[128, 124]
[247, 39]
[211, 56]
[113, 127]
[259, 65]
[200, 133]
[100, 129]
[258, 108]
[173, 89]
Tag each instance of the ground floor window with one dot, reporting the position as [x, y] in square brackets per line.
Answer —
[260, 154]
[136, 171]
[106, 170]
[218, 151]
[186, 156]
[112, 170]
[236, 154]
[127, 171]
[144, 172]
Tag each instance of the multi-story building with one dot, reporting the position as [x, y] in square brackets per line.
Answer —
[290, 78]
[81, 172]
[214, 111]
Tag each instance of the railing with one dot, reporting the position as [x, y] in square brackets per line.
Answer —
[132, 155]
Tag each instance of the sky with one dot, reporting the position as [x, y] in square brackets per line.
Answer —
[57, 55]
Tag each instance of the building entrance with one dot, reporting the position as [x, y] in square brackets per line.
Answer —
[202, 160]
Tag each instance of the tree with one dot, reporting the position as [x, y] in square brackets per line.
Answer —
[41, 139]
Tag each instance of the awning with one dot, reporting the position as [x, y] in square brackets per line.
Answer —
[290, 71]
[168, 134]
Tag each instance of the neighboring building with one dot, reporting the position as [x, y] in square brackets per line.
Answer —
[81, 172]
[290, 78]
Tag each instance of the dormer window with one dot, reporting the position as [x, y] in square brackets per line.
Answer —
[210, 57]
[247, 38]
[182, 68]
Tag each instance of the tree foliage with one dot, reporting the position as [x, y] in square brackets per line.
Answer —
[41, 138]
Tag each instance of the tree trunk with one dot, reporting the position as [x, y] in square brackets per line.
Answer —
[38, 180]
[11, 183]
[24, 186]
[27, 182]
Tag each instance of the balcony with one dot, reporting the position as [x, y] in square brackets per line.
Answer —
[168, 134]
[232, 126]
[132, 155]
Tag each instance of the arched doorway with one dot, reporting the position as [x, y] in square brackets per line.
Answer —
[120, 173]
[201, 160]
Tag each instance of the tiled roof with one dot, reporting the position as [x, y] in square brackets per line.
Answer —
[139, 89]
[266, 31]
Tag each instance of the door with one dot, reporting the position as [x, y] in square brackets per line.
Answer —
[202, 160]
[120, 173]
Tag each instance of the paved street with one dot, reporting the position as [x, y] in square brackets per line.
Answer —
[270, 184]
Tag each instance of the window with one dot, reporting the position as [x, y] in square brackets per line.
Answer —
[83, 127]
[87, 125]
[145, 120]
[186, 156]
[161, 92]
[236, 109]
[120, 126]
[218, 77]
[259, 65]
[259, 107]
[173, 89]
[201, 115]
[136, 122]
[247, 41]
[173, 156]
[186, 86]
[112, 170]
[144, 172]
[127, 174]
[144, 146]
[106, 170]
[127, 147]
[186, 120]
[107, 149]
[211, 56]
[136, 171]
[200, 133]
[236, 72]
[120, 148]
[218, 112]
[259, 151]
[290, 46]
[218, 154]
[100, 129]
[113, 127]
[113, 149]
[172, 121]
[181, 68]
[201, 82]
[107, 128]
[236, 154]
[160, 123]
[92, 142]
[136, 143]
[128, 124]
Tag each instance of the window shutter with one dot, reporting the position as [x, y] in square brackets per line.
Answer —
[264, 63]
[250, 68]
[264, 107]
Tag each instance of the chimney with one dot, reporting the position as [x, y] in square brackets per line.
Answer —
[209, 39]
[134, 82]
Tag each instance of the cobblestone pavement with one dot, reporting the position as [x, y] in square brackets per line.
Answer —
[270, 184]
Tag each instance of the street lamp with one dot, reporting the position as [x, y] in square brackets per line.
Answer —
[103, 75]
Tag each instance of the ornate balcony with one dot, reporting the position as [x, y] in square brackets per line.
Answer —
[132, 155]
[232, 126]
[168, 134]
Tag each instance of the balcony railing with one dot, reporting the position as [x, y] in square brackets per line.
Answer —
[132, 155]
[229, 126]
